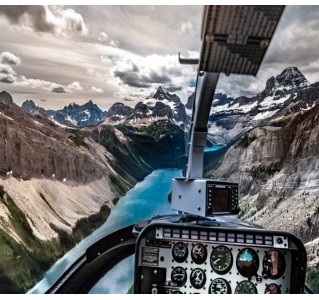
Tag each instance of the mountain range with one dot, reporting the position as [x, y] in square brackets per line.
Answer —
[58, 168]
[229, 118]
[284, 94]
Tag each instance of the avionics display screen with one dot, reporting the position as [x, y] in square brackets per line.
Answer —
[220, 200]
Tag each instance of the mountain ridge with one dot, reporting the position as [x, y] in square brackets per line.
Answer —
[87, 114]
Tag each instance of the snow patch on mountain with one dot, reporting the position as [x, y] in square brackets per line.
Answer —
[87, 114]
[161, 106]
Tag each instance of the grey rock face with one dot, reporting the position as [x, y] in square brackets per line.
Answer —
[29, 107]
[6, 98]
[118, 110]
[277, 170]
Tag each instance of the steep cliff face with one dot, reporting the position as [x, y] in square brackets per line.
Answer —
[277, 170]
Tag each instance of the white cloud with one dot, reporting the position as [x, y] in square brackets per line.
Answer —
[90, 70]
[75, 86]
[135, 77]
[46, 85]
[6, 69]
[103, 37]
[36, 83]
[9, 59]
[186, 28]
[96, 90]
[6, 78]
[113, 43]
[8, 75]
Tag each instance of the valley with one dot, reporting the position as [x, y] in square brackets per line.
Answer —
[60, 178]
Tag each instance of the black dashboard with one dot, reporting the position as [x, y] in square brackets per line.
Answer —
[217, 257]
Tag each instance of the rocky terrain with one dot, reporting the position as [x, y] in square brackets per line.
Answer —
[276, 166]
[51, 177]
[59, 182]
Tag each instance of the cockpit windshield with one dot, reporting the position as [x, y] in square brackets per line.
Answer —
[159, 149]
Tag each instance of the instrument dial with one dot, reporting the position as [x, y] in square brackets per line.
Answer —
[247, 262]
[219, 286]
[272, 289]
[274, 264]
[179, 276]
[221, 260]
[245, 287]
[198, 278]
[180, 252]
[199, 254]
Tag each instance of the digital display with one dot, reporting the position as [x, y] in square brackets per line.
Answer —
[221, 202]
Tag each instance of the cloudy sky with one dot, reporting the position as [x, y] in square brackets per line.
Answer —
[55, 55]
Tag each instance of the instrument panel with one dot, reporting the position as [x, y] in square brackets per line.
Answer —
[174, 259]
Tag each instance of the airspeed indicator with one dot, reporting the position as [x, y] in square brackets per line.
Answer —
[221, 260]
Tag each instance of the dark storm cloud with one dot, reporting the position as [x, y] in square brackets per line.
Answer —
[45, 19]
[134, 79]
[172, 89]
[172, 71]
[36, 14]
[131, 79]
[128, 99]
[157, 78]
[135, 68]
[58, 90]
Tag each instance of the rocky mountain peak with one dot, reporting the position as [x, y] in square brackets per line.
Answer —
[289, 81]
[72, 105]
[162, 95]
[6, 98]
[29, 106]
[79, 115]
[118, 110]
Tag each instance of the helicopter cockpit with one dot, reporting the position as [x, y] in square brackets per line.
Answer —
[204, 248]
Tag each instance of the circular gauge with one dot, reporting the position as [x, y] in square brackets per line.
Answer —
[180, 252]
[199, 254]
[221, 260]
[247, 262]
[245, 287]
[272, 289]
[274, 264]
[198, 278]
[179, 276]
[219, 286]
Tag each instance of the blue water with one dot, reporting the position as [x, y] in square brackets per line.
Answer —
[147, 199]
[213, 148]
